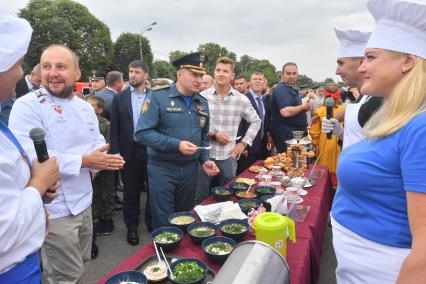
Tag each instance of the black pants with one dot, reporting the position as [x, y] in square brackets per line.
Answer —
[103, 196]
[135, 179]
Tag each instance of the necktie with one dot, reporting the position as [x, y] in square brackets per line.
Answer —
[261, 114]
[11, 137]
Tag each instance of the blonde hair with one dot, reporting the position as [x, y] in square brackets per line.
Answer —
[406, 101]
[226, 60]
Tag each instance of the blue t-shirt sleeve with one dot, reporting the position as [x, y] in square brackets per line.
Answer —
[283, 98]
[412, 149]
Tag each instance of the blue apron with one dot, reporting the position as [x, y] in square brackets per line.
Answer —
[28, 271]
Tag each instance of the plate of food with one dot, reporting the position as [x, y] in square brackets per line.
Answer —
[152, 262]
[188, 270]
[249, 181]
[182, 219]
[254, 169]
[218, 249]
[167, 238]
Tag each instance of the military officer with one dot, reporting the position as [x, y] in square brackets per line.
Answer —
[174, 123]
[97, 81]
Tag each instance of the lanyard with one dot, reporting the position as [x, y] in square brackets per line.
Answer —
[12, 138]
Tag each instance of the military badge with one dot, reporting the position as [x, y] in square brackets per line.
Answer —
[58, 109]
[202, 121]
[200, 110]
[145, 106]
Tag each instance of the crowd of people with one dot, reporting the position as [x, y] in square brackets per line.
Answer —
[176, 140]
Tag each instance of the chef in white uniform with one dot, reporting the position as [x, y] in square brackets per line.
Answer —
[350, 57]
[72, 135]
[22, 185]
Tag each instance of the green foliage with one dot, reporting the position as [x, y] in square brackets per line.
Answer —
[127, 49]
[71, 24]
[163, 69]
[213, 52]
[247, 65]
[327, 80]
[305, 80]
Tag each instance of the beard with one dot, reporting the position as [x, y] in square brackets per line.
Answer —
[136, 84]
[66, 92]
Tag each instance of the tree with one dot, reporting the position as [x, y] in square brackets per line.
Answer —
[327, 80]
[303, 79]
[163, 69]
[127, 49]
[247, 65]
[213, 52]
[267, 69]
[175, 54]
[71, 24]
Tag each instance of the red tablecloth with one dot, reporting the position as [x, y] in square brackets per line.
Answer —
[303, 257]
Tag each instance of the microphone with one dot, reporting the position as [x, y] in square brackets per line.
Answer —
[37, 135]
[329, 102]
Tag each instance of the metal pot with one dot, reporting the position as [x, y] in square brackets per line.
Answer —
[254, 262]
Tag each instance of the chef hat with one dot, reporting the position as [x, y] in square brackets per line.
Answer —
[15, 36]
[352, 43]
[400, 26]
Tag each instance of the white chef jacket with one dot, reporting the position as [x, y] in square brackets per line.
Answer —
[22, 216]
[72, 130]
[353, 132]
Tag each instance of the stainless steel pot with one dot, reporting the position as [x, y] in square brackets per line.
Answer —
[254, 262]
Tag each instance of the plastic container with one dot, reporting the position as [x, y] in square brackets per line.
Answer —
[274, 229]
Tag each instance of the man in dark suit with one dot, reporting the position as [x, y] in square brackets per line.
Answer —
[29, 82]
[124, 116]
[114, 85]
[258, 150]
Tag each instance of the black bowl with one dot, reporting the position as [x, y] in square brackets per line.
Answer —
[183, 260]
[167, 246]
[245, 202]
[237, 192]
[197, 239]
[234, 236]
[237, 186]
[265, 197]
[182, 214]
[130, 275]
[218, 258]
[264, 190]
[222, 197]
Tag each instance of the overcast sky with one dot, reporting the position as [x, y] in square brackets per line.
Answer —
[277, 30]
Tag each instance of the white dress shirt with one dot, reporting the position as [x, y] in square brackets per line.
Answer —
[72, 130]
[22, 216]
[226, 115]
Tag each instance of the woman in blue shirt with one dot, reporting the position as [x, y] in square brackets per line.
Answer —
[379, 212]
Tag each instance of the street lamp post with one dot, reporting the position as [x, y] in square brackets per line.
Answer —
[143, 30]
